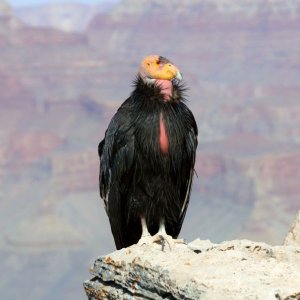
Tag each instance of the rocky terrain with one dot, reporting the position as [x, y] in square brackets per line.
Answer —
[238, 269]
[59, 90]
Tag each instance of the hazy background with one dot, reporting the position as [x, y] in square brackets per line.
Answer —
[64, 70]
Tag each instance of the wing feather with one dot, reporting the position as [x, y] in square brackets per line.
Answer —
[191, 146]
[116, 153]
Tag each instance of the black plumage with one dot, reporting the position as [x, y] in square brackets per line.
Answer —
[136, 178]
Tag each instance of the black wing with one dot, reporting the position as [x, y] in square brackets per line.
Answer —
[187, 167]
[116, 153]
[186, 184]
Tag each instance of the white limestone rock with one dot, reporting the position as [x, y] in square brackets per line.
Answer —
[293, 237]
[238, 269]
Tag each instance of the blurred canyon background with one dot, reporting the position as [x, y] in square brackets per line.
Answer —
[64, 70]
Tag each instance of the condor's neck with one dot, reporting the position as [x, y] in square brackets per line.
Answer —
[166, 88]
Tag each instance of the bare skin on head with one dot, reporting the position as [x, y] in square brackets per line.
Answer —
[159, 70]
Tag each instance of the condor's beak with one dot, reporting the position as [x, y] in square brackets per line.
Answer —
[178, 76]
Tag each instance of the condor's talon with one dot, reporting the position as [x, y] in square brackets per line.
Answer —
[161, 237]
[164, 239]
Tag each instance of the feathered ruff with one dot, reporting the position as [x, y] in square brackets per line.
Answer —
[153, 90]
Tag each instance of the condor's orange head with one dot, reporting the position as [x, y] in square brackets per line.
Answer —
[155, 67]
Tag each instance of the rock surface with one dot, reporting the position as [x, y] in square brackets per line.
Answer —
[293, 237]
[238, 269]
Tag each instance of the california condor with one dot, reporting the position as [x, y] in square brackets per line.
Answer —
[147, 157]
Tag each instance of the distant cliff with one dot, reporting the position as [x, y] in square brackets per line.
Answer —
[66, 16]
[239, 269]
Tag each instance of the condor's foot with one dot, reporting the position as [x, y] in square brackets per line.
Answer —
[166, 241]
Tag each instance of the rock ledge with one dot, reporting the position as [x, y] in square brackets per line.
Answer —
[238, 269]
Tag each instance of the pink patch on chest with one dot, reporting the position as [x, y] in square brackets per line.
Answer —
[163, 138]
